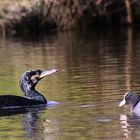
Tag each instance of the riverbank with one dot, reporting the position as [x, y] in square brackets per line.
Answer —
[47, 15]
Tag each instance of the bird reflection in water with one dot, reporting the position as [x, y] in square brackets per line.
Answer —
[130, 125]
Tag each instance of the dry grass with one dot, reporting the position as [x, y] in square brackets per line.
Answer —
[20, 2]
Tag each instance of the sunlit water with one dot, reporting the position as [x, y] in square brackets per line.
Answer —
[95, 70]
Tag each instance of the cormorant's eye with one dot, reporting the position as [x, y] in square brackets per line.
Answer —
[35, 76]
[38, 72]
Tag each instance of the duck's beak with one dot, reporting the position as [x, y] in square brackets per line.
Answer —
[122, 103]
[48, 72]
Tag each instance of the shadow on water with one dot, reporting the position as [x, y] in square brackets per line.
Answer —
[9, 111]
[12, 111]
[30, 118]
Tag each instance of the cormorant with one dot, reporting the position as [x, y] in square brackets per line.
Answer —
[28, 81]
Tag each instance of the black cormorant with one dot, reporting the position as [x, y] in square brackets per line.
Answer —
[28, 81]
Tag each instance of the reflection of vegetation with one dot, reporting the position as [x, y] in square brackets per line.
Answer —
[76, 60]
[6, 128]
[94, 70]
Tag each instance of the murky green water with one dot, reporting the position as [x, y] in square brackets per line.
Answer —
[94, 72]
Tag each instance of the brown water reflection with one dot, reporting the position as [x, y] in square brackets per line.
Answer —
[95, 70]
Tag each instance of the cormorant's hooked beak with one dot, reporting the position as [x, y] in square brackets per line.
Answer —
[48, 72]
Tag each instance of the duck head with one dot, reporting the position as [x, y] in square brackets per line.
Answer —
[130, 98]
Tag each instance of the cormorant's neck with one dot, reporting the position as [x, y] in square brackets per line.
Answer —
[35, 95]
[31, 93]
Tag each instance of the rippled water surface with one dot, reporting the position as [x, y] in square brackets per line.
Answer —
[95, 70]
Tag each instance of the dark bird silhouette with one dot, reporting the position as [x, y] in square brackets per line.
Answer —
[28, 81]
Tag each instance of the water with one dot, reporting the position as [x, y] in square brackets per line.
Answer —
[95, 70]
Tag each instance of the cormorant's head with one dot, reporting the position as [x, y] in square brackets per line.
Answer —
[30, 78]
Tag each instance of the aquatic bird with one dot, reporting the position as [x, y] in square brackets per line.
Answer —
[28, 81]
[133, 100]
